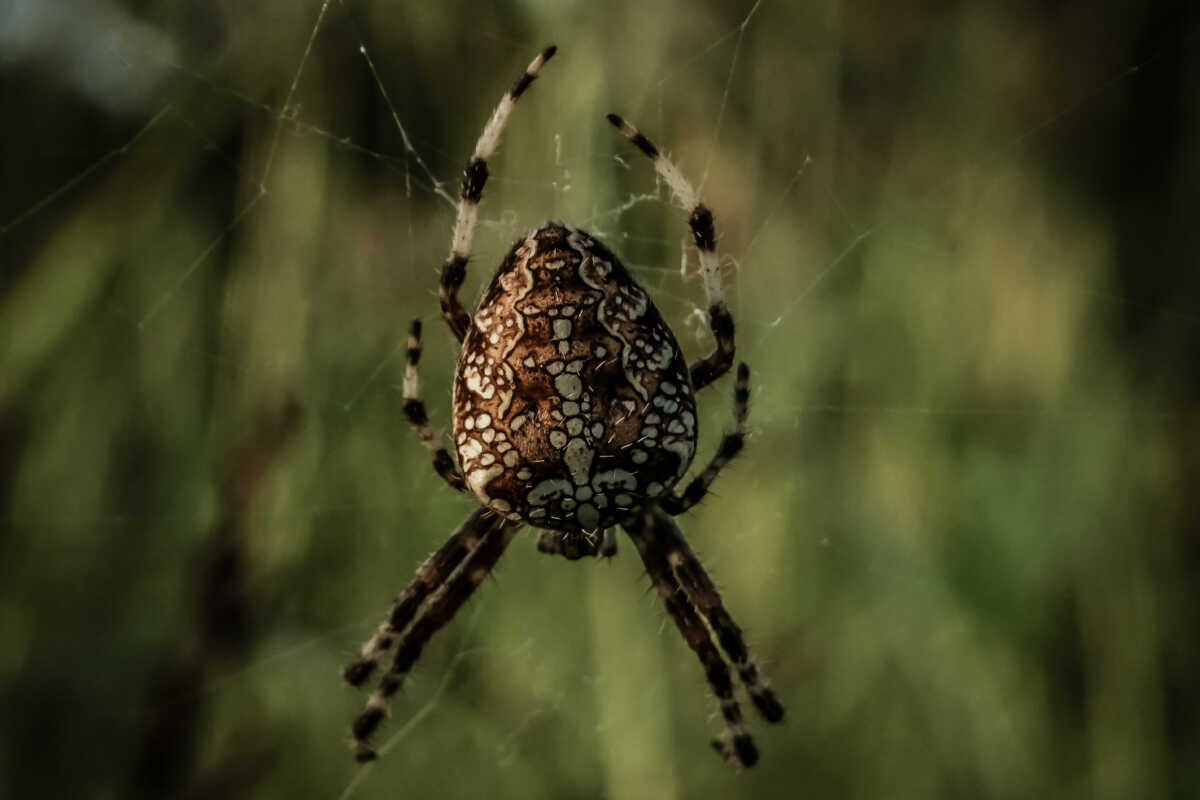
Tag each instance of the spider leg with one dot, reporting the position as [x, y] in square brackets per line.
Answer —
[573, 546]
[418, 417]
[495, 535]
[731, 445]
[702, 592]
[700, 220]
[608, 543]
[474, 177]
[429, 578]
[550, 542]
[735, 745]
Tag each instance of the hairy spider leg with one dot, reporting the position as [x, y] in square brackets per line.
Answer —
[429, 578]
[735, 744]
[731, 445]
[474, 178]
[443, 605]
[704, 595]
[418, 417]
[700, 220]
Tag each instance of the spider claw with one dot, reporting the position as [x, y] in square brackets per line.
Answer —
[747, 753]
[366, 723]
[633, 134]
[768, 705]
[740, 752]
[357, 672]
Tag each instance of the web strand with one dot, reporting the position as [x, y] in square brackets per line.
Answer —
[88, 171]
[733, 61]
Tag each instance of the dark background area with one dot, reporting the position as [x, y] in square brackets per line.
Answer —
[960, 244]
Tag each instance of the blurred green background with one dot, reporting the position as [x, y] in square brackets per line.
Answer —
[960, 239]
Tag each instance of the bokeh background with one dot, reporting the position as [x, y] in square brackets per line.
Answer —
[960, 239]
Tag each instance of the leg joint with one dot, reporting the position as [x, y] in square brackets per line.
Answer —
[722, 325]
[414, 409]
[455, 271]
[474, 178]
[701, 222]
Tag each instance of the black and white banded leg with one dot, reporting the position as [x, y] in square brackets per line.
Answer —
[705, 597]
[418, 417]
[474, 178]
[735, 744]
[700, 220]
[429, 578]
[731, 445]
[496, 534]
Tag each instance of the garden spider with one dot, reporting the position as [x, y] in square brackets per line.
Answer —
[573, 413]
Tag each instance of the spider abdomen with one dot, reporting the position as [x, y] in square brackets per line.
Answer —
[572, 402]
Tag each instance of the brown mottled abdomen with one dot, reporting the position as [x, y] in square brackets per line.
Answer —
[572, 402]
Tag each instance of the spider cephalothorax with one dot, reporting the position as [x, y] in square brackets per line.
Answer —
[572, 403]
[574, 411]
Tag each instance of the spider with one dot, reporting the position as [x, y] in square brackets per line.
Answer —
[574, 412]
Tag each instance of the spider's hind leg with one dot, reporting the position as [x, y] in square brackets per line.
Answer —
[700, 589]
[429, 578]
[418, 417]
[735, 744]
[700, 220]
[494, 534]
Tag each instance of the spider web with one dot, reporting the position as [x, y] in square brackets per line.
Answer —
[931, 320]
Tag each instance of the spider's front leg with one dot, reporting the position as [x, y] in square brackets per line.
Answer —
[474, 178]
[700, 220]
